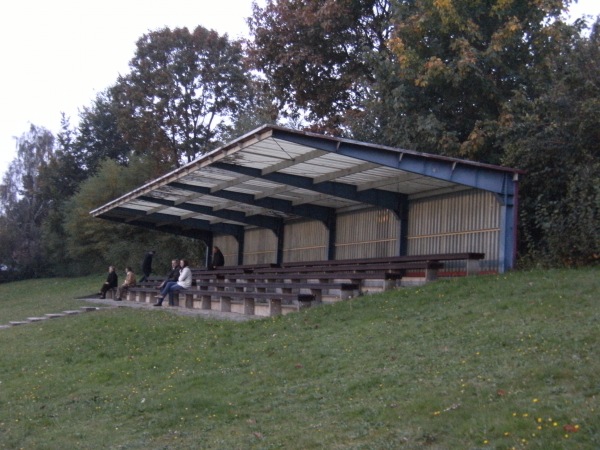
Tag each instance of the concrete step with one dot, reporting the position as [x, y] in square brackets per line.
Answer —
[54, 315]
[36, 319]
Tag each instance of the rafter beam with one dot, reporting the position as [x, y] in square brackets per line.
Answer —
[164, 220]
[383, 199]
[221, 214]
[269, 203]
[293, 161]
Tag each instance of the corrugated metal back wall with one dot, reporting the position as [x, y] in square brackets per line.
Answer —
[367, 234]
[305, 241]
[260, 246]
[468, 221]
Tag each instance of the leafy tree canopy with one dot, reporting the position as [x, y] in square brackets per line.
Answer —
[93, 244]
[556, 139]
[183, 90]
[314, 54]
[431, 75]
[459, 61]
[23, 202]
[98, 135]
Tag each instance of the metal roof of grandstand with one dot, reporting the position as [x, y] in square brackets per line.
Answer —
[274, 174]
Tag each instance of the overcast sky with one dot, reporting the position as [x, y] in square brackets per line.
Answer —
[57, 55]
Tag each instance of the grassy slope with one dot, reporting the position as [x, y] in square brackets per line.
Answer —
[485, 362]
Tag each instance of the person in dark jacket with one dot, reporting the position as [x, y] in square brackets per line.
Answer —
[112, 281]
[173, 274]
[147, 266]
[172, 287]
[217, 258]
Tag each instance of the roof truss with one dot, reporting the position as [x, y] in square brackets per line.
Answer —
[275, 174]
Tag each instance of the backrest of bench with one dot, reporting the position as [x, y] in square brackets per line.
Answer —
[390, 259]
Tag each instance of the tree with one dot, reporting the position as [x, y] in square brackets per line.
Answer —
[60, 178]
[260, 109]
[93, 244]
[458, 62]
[556, 139]
[316, 54]
[23, 203]
[431, 75]
[182, 92]
[98, 136]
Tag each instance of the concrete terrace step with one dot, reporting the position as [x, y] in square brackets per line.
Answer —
[37, 319]
[71, 312]
[206, 313]
[90, 308]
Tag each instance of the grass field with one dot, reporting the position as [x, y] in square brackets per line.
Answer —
[489, 362]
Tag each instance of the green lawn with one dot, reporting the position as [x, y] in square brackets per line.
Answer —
[489, 362]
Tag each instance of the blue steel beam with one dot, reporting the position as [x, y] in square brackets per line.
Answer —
[508, 233]
[258, 220]
[315, 212]
[161, 220]
[377, 197]
[476, 175]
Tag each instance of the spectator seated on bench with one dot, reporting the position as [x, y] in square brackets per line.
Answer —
[112, 281]
[173, 275]
[184, 282]
[130, 281]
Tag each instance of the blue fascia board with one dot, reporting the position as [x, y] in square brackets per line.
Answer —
[482, 178]
[477, 175]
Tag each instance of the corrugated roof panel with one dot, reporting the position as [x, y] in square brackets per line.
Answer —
[333, 164]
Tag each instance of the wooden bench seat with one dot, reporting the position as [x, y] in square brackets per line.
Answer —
[334, 273]
[388, 259]
[472, 260]
[347, 290]
[243, 268]
[331, 276]
[345, 280]
[297, 284]
[355, 268]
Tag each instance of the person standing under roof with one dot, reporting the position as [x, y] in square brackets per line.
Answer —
[218, 260]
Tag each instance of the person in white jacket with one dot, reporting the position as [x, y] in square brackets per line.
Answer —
[184, 282]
